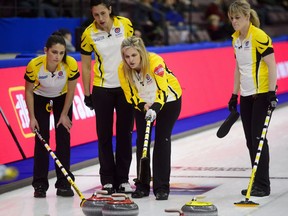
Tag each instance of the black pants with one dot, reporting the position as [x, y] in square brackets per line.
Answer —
[161, 163]
[41, 155]
[106, 100]
[253, 113]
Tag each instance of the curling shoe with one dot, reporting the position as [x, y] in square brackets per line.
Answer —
[125, 188]
[40, 192]
[139, 194]
[109, 188]
[162, 195]
[65, 192]
[256, 192]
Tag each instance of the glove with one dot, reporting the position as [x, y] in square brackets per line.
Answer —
[150, 115]
[232, 104]
[88, 102]
[272, 99]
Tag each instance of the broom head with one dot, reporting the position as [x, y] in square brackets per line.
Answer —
[144, 174]
[246, 203]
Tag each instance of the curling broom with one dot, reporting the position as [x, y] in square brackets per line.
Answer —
[247, 202]
[89, 206]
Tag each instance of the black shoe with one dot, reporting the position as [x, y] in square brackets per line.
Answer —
[162, 195]
[139, 194]
[65, 192]
[257, 192]
[109, 188]
[40, 192]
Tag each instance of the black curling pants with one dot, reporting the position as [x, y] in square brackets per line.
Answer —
[41, 155]
[253, 113]
[106, 101]
[161, 163]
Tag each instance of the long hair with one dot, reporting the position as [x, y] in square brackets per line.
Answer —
[138, 44]
[107, 3]
[243, 7]
[57, 38]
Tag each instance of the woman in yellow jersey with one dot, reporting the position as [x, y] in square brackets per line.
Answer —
[104, 37]
[50, 85]
[255, 78]
[153, 90]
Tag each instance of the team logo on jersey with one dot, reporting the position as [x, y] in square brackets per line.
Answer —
[159, 70]
[60, 75]
[117, 30]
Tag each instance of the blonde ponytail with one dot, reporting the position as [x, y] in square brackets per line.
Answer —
[254, 18]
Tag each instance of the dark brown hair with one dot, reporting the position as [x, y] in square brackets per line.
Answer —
[56, 38]
[107, 3]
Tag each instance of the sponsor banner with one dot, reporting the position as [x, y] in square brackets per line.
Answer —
[206, 77]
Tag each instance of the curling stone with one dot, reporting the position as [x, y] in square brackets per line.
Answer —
[197, 208]
[93, 205]
[8, 173]
[124, 207]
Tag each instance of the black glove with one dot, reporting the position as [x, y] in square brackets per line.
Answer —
[272, 99]
[88, 102]
[232, 104]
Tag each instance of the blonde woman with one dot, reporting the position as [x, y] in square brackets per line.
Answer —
[155, 93]
[255, 78]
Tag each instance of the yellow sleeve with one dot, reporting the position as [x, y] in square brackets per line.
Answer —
[158, 68]
[30, 74]
[73, 66]
[263, 43]
[85, 41]
[129, 30]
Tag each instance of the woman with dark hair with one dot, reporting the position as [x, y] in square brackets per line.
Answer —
[50, 85]
[104, 37]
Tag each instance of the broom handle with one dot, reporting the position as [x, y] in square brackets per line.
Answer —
[60, 166]
[257, 158]
[13, 134]
[146, 139]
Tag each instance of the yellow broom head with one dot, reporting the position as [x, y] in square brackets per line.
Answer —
[246, 203]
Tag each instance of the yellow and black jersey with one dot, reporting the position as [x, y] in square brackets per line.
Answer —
[49, 84]
[254, 77]
[158, 86]
[106, 47]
